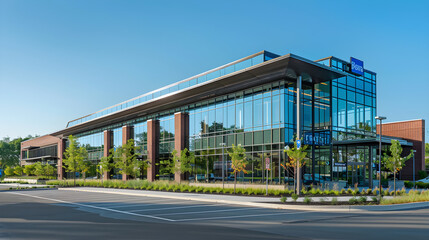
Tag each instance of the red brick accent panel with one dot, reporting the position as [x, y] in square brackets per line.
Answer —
[107, 147]
[181, 135]
[61, 149]
[413, 131]
[152, 148]
[46, 141]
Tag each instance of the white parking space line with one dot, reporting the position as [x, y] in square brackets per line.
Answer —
[183, 207]
[95, 207]
[201, 212]
[239, 216]
[144, 205]
[133, 204]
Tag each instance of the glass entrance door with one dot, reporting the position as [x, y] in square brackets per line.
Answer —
[355, 174]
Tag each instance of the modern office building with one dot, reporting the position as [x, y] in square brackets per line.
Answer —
[253, 102]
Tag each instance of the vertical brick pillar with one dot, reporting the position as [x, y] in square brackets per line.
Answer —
[127, 134]
[181, 135]
[107, 146]
[60, 154]
[152, 148]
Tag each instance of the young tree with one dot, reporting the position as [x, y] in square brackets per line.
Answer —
[106, 164]
[296, 161]
[39, 169]
[74, 157]
[29, 169]
[18, 170]
[9, 171]
[84, 168]
[179, 163]
[238, 161]
[49, 170]
[126, 161]
[395, 162]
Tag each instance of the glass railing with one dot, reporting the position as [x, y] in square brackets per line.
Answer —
[235, 66]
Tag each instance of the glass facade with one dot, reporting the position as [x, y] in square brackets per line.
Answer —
[262, 119]
[354, 111]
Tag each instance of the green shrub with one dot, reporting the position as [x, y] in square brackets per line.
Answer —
[343, 191]
[362, 199]
[349, 191]
[283, 199]
[353, 200]
[408, 184]
[422, 174]
[369, 191]
[323, 199]
[307, 200]
[375, 199]
[294, 197]
[355, 192]
[334, 201]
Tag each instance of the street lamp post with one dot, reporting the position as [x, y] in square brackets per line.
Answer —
[379, 152]
[223, 165]
[414, 168]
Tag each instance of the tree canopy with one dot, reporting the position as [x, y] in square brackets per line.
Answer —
[10, 151]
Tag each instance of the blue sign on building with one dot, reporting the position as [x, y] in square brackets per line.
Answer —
[318, 138]
[356, 66]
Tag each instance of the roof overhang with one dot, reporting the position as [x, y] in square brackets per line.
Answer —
[372, 142]
[284, 67]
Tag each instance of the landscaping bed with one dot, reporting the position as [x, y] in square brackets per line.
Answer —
[168, 186]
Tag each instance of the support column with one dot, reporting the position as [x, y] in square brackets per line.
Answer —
[152, 149]
[107, 147]
[181, 136]
[60, 154]
[298, 127]
[127, 134]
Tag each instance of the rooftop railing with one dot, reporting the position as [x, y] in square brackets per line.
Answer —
[235, 66]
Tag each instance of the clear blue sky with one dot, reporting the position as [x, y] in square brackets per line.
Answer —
[60, 60]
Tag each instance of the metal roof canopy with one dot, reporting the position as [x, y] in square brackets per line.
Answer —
[385, 140]
[288, 67]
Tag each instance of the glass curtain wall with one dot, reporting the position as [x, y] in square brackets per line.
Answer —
[354, 111]
[261, 119]
[166, 144]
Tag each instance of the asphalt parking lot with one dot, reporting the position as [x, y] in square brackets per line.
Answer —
[74, 214]
[155, 209]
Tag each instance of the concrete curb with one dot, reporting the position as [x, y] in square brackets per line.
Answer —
[344, 208]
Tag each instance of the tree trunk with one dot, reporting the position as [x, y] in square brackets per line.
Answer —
[252, 171]
[235, 180]
[394, 182]
[294, 179]
[207, 164]
[298, 182]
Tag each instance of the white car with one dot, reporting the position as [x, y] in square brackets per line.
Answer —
[424, 180]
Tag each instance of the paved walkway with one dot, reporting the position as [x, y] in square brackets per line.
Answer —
[6, 186]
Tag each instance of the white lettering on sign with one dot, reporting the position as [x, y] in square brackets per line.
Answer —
[357, 67]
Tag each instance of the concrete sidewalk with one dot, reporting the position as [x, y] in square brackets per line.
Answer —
[263, 202]
[6, 186]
